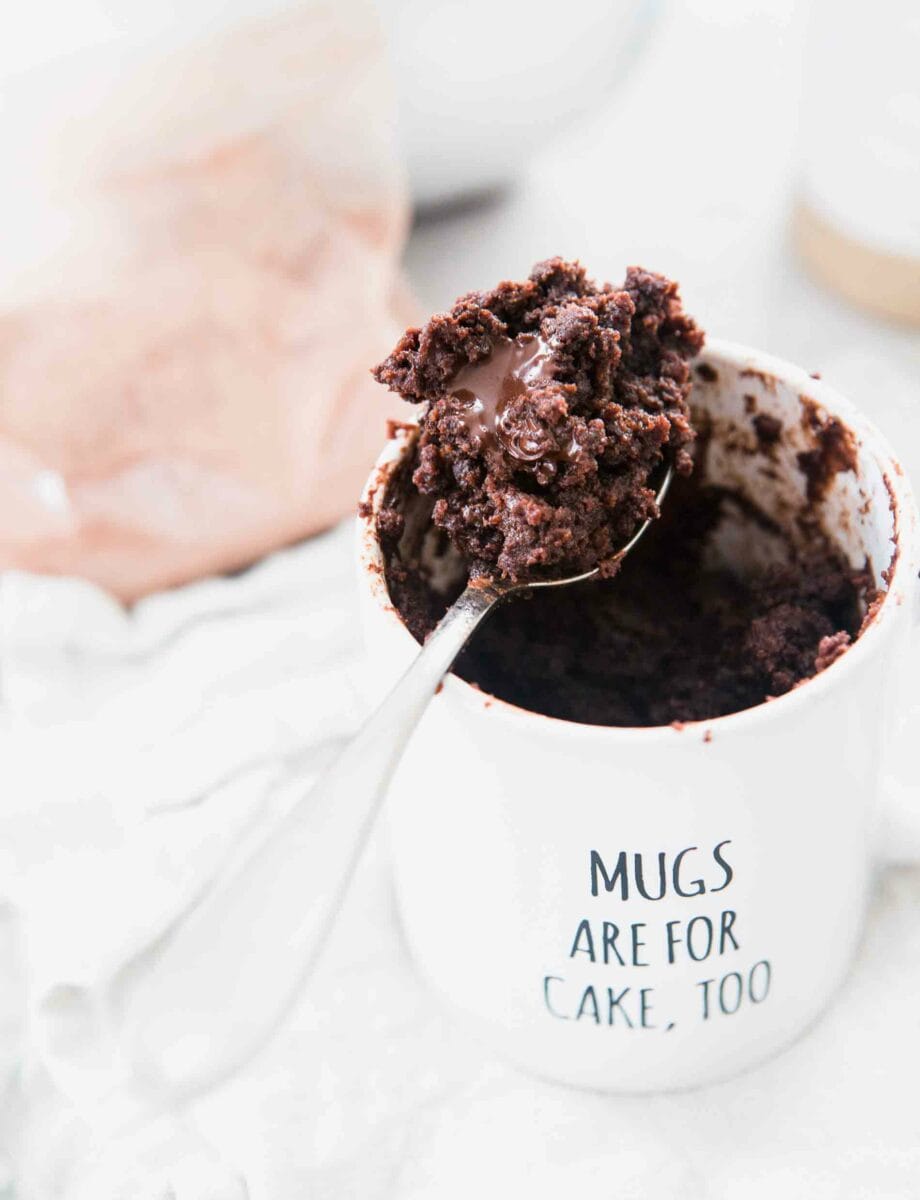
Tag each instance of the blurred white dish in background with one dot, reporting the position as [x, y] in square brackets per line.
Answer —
[482, 84]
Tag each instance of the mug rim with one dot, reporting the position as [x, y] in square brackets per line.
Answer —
[903, 569]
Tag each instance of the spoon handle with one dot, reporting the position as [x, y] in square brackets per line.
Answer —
[206, 997]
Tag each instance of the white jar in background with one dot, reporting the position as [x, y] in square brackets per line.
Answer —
[857, 221]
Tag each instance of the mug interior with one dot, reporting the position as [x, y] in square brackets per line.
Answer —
[770, 434]
[785, 446]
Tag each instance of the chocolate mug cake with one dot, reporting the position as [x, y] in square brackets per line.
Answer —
[549, 407]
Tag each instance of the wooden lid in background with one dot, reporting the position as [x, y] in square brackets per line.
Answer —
[884, 283]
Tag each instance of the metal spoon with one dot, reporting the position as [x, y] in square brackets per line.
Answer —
[208, 995]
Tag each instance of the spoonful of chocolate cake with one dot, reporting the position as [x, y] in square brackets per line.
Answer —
[555, 413]
[551, 408]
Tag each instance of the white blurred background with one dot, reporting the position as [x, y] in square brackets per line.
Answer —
[692, 167]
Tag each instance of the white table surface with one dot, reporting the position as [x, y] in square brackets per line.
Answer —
[371, 1091]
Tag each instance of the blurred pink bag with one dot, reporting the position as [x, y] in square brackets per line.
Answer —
[207, 268]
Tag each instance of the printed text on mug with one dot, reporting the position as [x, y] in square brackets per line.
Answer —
[723, 990]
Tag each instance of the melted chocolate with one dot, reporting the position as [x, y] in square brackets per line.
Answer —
[485, 389]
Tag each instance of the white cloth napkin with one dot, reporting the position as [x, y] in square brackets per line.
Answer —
[140, 747]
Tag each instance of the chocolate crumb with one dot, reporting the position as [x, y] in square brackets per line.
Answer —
[830, 649]
[390, 526]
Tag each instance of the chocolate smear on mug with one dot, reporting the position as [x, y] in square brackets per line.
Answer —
[834, 449]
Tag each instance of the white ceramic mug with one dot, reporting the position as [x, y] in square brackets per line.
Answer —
[636, 909]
